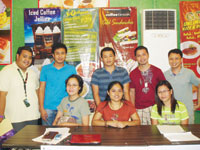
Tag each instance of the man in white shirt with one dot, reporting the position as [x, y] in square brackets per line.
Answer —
[18, 91]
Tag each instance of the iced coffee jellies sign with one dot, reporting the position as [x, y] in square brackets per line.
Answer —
[42, 29]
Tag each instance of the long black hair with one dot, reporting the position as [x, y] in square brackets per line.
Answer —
[159, 102]
[110, 86]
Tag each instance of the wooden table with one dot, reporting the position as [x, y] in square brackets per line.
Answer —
[143, 135]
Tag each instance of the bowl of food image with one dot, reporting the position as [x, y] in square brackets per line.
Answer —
[86, 71]
[198, 65]
[70, 3]
[85, 90]
[190, 49]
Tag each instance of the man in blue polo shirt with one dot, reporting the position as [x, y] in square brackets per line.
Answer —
[103, 76]
[52, 83]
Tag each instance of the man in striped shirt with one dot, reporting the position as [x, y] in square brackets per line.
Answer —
[103, 76]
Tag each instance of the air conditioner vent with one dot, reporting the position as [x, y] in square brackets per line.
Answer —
[159, 20]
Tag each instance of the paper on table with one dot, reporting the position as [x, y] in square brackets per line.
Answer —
[5, 126]
[170, 129]
[187, 136]
[63, 131]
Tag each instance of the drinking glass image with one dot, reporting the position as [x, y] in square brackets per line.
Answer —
[39, 37]
[56, 34]
[48, 37]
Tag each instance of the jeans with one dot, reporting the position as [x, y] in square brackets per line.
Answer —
[51, 117]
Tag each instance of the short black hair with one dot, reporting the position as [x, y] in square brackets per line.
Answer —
[27, 48]
[176, 51]
[57, 46]
[106, 49]
[79, 79]
[140, 48]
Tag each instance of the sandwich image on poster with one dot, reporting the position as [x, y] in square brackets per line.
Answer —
[125, 36]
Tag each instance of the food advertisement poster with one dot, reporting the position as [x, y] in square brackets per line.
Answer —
[69, 4]
[190, 34]
[190, 37]
[118, 29]
[42, 28]
[81, 35]
[5, 32]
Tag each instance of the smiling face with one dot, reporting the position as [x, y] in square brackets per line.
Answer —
[59, 55]
[116, 93]
[142, 57]
[164, 94]
[108, 58]
[24, 60]
[175, 60]
[73, 88]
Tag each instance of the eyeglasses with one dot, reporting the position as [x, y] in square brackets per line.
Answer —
[72, 85]
[164, 91]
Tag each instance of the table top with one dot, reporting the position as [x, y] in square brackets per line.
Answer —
[142, 135]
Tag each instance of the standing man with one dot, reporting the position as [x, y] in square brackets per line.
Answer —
[52, 83]
[102, 77]
[143, 82]
[18, 91]
[182, 80]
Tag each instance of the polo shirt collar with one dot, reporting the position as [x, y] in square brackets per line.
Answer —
[17, 67]
[181, 71]
[116, 69]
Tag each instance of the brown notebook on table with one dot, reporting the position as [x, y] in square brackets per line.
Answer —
[85, 139]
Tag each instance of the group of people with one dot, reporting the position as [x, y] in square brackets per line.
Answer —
[145, 96]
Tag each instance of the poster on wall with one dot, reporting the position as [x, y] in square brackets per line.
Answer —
[69, 4]
[80, 35]
[5, 32]
[118, 29]
[190, 34]
[42, 28]
[190, 37]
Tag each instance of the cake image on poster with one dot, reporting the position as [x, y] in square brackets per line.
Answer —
[4, 16]
[4, 47]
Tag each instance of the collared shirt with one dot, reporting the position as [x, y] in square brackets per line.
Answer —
[144, 84]
[11, 82]
[102, 78]
[55, 89]
[182, 86]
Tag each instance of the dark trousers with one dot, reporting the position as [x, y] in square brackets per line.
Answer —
[20, 125]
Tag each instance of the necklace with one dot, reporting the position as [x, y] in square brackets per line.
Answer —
[114, 107]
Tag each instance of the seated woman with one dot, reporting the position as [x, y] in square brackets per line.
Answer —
[168, 110]
[73, 109]
[115, 111]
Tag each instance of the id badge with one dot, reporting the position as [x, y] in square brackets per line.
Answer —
[27, 104]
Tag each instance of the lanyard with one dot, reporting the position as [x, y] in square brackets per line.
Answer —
[24, 81]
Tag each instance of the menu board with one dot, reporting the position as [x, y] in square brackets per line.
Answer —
[118, 29]
[5, 32]
[80, 34]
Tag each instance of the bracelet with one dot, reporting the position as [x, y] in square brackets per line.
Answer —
[1, 116]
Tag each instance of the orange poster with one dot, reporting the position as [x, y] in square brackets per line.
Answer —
[190, 34]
